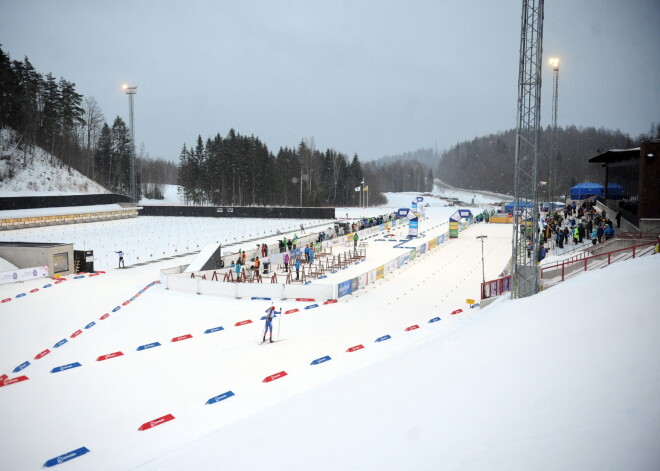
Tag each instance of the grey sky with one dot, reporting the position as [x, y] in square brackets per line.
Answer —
[368, 77]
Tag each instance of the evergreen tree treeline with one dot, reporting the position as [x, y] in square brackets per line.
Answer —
[240, 170]
[50, 114]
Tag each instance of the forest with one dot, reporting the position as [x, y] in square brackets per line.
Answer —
[51, 114]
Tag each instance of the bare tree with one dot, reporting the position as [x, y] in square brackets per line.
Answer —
[94, 120]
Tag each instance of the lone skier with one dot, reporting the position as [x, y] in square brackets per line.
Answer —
[121, 259]
[269, 323]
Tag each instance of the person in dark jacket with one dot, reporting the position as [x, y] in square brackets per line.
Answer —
[599, 232]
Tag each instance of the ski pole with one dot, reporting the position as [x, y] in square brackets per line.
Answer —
[279, 323]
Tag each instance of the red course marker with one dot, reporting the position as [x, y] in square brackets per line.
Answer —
[305, 299]
[182, 337]
[3, 377]
[243, 323]
[76, 334]
[104, 316]
[34, 290]
[412, 327]
[158, 421]
[18, 379]
[126, 303]
[356, 348]
[42, 354]
[457, 311]
[270, 378]
[109, 355]
[330, 301]
[291, 311]
[6, 300]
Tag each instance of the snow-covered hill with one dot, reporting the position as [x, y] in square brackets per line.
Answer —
[40, 176]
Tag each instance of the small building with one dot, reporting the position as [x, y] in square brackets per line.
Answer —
[58, 257]
[630, 181]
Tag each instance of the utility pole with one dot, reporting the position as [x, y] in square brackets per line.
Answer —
[525, 271]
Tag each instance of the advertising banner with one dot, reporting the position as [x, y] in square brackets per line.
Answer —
[345, 287]
[413, 228]
[23, 274]
[380, 272]
[453, 230]
[363, 281]
[491, 289]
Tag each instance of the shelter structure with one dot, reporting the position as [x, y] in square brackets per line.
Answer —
[582, 191]
[57, 257]
[630, 181]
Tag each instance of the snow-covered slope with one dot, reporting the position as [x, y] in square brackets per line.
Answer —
[567, 379]
[40, 176]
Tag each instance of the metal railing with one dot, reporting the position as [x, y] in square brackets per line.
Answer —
[562, 270]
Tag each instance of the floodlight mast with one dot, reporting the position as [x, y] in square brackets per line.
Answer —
[552, 181]
[130, 91]
[525, 243]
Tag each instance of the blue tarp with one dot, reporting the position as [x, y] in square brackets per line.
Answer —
[509, 206]
[585, 190]
[614, 191]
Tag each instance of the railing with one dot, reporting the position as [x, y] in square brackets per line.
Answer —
[639, 235]
[566, 269]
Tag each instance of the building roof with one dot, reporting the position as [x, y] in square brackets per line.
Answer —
[616, 155]
[44, 245]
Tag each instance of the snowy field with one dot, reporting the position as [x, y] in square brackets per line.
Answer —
[567, 379]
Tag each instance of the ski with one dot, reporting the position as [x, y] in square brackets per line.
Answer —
[274, 341]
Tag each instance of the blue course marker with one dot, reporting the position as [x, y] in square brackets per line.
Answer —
[78, 277]
[435, 319]
[22, 366]
[116, 309]
[221, 397]
[474, 305]
[214, 329]
[133, 298]
[66, 457]
[20, 295]
[383, 338]
[318, 361]
[48, 285]
[90, 325]
[147, 346]
[311, 306]
[307, 282]
[65, 367]
[259, 297]
[60, 343]
[321, 277]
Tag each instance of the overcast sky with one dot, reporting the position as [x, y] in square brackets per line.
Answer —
[373, 77]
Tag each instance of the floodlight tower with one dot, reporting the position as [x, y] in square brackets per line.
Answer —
[554, 62]
[130, 91]
[525, 272]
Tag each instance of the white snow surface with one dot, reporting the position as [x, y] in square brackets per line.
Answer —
[40, 177]
[566, 379]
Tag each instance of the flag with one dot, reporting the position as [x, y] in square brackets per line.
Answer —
[357, 188]
[366, 188]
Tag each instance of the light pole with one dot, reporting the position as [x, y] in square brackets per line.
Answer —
[554, 62]
[130, 91]
[483, 269]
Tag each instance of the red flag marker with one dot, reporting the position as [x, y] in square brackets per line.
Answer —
[291, 311]
[126, 303]
[18, 379]
[109, 355]
[457, 311]
[330, 301]
[34, 290]
[42, 354]
[412, 327]
[305, 299]
[3, 377]
[243, 323]
[270, 378]
[356, 348]
[76, 334]
[156, 422]
[104, 316]
[182, 337]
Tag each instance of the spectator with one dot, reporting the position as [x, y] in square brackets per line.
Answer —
[286, 262]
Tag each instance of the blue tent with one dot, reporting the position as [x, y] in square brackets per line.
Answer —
[585, 190]
[509, 206]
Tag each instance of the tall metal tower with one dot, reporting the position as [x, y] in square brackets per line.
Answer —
[131, 91]
[525, 271]
[552, 181]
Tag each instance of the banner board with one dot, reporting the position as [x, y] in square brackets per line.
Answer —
[23, 274]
